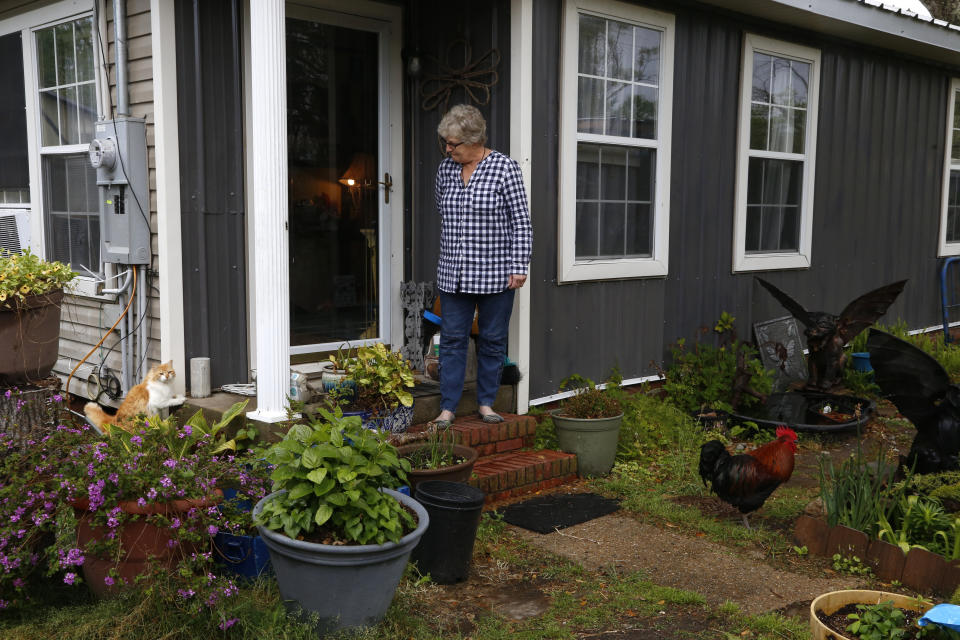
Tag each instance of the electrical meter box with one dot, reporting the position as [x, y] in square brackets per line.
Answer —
[119, 154]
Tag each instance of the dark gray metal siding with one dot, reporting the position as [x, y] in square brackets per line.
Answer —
[209, 100]
[876, 203]
[434, 27]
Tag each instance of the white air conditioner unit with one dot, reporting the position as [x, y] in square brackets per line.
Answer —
[14, 230]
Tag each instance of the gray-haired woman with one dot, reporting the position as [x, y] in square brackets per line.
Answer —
[485, 245]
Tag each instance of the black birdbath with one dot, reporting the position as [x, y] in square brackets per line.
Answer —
[807, 410]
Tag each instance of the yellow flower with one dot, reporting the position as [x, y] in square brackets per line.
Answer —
[3, 296]
[25, 289]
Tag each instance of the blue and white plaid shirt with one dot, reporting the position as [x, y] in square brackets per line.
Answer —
[485, 230]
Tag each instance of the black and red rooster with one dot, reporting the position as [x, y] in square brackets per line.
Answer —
[746, 480]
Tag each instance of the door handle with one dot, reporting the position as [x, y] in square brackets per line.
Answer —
[387, 183]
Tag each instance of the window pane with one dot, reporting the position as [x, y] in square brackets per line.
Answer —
[783, 132]
[66, 55]
[612, 219]
[799, 82]
[640, 174]
[618, 118]
[88, 110]
[590, 106]
[49, 118]
[14, 165]
[587, 233]
[644, 112]
[84, 49]
[762, 68]
[613, 174]
[780, 82]
[70, 205]
[773, 205]
[619, 50]
[593, 37]
[588, 172]
[759, 126]
[953, 208]
[69, 125]
[46, 59]
[638, 231]
[647, 55]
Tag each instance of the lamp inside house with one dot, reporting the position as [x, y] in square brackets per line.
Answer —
[360, 171]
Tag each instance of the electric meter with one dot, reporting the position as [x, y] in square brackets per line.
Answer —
[103, 153]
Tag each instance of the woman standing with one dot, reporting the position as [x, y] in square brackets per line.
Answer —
[485, 244]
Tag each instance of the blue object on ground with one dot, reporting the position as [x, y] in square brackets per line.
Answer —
[405, 490]
[861, 361]
[432, 317]
[943, 615]
[245, 556]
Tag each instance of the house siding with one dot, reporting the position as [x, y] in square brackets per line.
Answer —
[876, 201]
[85, 320]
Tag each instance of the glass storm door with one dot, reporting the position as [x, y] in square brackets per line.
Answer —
[337, 141]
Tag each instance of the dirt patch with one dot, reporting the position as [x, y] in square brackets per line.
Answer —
[718, 573]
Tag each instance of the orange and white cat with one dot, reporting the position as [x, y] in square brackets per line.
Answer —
[149, 397]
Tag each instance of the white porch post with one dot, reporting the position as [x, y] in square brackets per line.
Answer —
[270, 272]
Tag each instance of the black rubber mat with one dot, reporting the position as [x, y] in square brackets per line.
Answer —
[544, 514]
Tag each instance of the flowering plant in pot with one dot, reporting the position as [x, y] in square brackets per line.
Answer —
[339, 535]
[122, 510]
[437, 458]
[381, 380]
[588, 423]
[31, 290]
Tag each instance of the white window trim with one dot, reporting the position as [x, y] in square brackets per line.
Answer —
[948, 248]
[802, 258]
[569, 268]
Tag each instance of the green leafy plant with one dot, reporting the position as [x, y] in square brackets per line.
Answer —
[26, 274]
[330, 471]
[801, 551]
[881, 621]
[850, 564]
[590, 401]
[704, 375]
[381, 378]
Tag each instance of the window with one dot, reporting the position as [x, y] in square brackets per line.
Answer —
[615, 137]
[950, 217]
[66, 110]
[776, 151]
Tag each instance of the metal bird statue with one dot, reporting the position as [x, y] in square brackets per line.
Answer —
[828, 333]
[920, 389]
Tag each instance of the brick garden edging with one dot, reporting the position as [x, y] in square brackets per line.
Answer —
[919, 569]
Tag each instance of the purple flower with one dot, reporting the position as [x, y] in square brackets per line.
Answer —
[70, 577]
[152, 493]
[141, 502]
[212, 529]
[8, 394]
[137, 440]
[57, 398]
[226, 624]
[107, 580]
[175, 523]
[186, 431]
[165, 481]
[186, 594]
[170, 463]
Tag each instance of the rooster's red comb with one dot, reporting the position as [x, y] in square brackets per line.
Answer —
[787, 432]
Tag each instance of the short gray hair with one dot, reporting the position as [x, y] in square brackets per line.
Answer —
[465, 122]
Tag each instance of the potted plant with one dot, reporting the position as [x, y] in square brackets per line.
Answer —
[377, 383]
[31, 290]
[438, 459]
[858, 613]
[588, 424]
[339, 535]
[121, 510]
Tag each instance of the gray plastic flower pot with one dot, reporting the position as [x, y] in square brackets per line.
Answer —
[593, 440]
[345, 586]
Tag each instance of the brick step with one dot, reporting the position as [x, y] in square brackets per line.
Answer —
[514, 473]
[515, 432]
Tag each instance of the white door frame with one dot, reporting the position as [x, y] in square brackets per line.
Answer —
[386, 21]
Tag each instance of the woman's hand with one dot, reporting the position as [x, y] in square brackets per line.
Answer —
[516, 280]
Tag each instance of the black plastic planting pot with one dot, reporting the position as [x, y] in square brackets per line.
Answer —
[447, 546]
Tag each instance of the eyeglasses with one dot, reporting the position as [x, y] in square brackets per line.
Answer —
[452, 145]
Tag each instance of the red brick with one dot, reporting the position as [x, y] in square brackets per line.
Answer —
[509, 445]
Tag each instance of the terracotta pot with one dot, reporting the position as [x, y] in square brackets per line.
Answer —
[830, 602]
[30, 338]
[139, 541]
[454, 473]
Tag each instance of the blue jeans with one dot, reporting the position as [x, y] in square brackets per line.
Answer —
[493, 322]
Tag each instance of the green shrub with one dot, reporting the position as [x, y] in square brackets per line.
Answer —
[703, 376]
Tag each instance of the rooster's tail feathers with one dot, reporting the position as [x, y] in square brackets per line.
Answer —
[711, 453]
